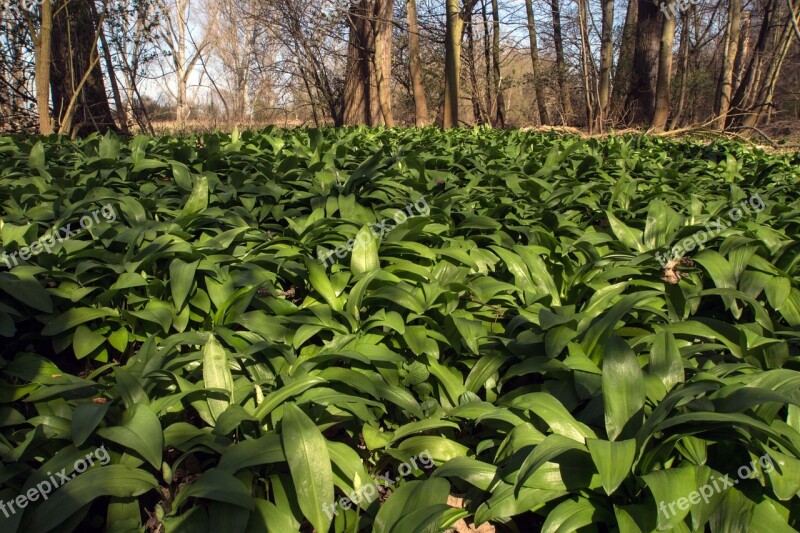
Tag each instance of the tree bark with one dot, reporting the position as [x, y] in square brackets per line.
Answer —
[561, 66]
[478, 112]
[541, 102]
[43, 55]
[586, 69]
[722, 99]
[606, 58]
[624, 71]
[75, 58]
[500, 111]
[642, 94]
[487, 59]
[683, 53]
[765, 90]
[382, 58]
[415, 67]
[452, 64]
[752, 73]
[664, 77]
[360, 98]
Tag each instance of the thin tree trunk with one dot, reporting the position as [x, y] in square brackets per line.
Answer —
[478, 112]
[112, 76]
[415, 67]
[561, 66]
[487, 57]
[683, 53]
[585, 69]
[762, 101]
[722, 99]
[606, 58]
[661, 112]
[541, 102]
[752, 73]
[500, 112]
[742, 50]
[42, 53]
[452, 64]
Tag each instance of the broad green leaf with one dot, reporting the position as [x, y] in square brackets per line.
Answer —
[112, 480]
[613, 460]
[141, 432]
[623, 389]
[364, 256]
[217, 375]
[309, 462]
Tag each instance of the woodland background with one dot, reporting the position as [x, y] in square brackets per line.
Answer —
[178, 65]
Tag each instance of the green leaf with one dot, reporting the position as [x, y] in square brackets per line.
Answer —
[261, 451]
[570, 515]
[413, 506]
[73, 317]
[310, 465]
[112, 480]
[217, 485]
[364, 257]
[613, 460]
[85, 419]
[320, 282]
[623, 389]
[665, 360]
[198, 199]
[181, 279]
[141, 433]
[217, 375]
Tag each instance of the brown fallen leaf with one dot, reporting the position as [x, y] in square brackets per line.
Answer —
[671, 273]
[461, 526]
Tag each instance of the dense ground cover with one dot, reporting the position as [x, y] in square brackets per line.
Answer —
[515, 337]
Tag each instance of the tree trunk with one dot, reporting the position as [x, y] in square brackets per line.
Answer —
[606, 58]
[586, 70]
[75, 60]
[683, 53]
[382, 58]
[722, 99]
[500, 112]
[487, 59]
[360, 100]
[561, 66]
[42, 53]
[624, 71]
[661, 112]
[742, 50]
[415, 67]
[452, 64]
[752, 73]
[642, 95]
[478, 112]
[765, 90]
[541, 102]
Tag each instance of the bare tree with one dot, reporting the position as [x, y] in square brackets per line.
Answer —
[177, 38]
